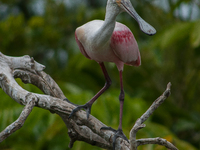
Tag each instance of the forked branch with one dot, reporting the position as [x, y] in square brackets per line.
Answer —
[139, 125]
[79, 127]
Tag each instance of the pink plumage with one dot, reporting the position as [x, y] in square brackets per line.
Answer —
[124, 45]
[120, 48]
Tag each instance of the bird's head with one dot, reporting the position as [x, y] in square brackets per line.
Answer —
[125, 5]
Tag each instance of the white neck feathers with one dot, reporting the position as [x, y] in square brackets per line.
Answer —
[103, 35]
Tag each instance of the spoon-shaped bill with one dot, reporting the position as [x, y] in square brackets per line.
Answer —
[144, 26]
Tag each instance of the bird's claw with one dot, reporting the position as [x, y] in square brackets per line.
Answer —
[118, 133]
[86, 107]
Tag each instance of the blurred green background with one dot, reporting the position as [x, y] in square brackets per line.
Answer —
[44, 29]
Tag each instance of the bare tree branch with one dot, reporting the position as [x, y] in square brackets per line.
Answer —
[157, 140]
[139, 123]
[20, 121]
[79, 127]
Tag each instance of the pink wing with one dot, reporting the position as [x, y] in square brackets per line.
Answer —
[81, 47]
[124, 45]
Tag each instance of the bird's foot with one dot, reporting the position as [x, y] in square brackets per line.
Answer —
[86, 107]
[118, 133]
[65, 99]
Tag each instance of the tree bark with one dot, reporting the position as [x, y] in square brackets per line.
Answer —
[79, 127]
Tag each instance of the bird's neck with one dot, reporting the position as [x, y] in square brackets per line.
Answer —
[104, 33]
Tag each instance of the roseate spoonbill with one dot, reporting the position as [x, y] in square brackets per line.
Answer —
[111, 41]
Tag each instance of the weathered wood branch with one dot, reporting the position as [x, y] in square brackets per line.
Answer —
[157, 140]
[20, 121]
[139, 125]
[79, 128]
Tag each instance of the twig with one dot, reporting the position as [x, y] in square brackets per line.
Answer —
[20, 121]
[139, 123]
[157, 140]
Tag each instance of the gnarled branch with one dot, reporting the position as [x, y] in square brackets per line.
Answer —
[79, 127]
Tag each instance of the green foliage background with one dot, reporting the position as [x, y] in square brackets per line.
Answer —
[173, 54]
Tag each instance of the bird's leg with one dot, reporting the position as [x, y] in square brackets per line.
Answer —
[88, 105]
[119, 132]
[121, 100]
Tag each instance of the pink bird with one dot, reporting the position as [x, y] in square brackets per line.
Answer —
[111, 41]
